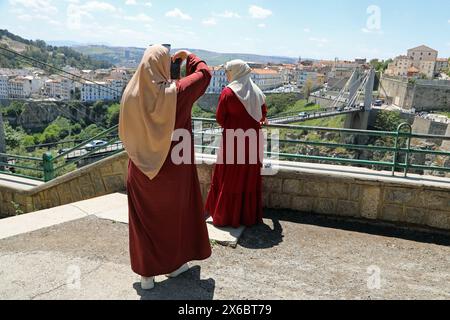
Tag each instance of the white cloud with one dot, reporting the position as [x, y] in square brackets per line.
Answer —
[177, 13]
[140, 17]
[259, 13]
[307, 30]
[227, 14]
[37, 6]
[130, 2]
[210, 22]
[261, 25]
[320, 41]
[75, 12]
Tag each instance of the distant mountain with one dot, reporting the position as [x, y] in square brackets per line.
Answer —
[39, 50]
[129, 56]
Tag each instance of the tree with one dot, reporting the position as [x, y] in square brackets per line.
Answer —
[307, 89]
[112, 117]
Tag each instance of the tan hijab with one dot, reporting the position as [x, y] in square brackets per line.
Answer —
[148, 112]
[245, 89]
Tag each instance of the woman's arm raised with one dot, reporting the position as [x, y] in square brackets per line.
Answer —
[197, 79]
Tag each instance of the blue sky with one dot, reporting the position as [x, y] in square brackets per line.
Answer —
[318, 29]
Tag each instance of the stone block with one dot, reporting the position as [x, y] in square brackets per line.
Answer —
[403, 196]
[354, 193]
[415, 215]
[338, 190]
[348, 208]
[280, 201]
[324, 206]
[315, 189]
[303, 204]
[114, 183]
[292, 186]
[393, 213]
[272, 184]
[370, 199]
[438, 219]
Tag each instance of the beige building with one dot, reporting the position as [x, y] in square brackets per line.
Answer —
[422, 58]
[59, 88]
[267, 79]
[400, 66]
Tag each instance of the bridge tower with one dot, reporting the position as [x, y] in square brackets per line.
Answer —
[360, 120]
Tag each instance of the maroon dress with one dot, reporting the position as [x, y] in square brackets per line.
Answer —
[235, 197]
[167, 225]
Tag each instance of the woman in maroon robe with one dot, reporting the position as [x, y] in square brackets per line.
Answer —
[167, 226]
[235, 197]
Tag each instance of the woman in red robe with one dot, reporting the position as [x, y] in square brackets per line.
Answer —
[235, 197]
[166, 219]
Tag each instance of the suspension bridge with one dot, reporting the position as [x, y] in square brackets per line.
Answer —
[356, 96]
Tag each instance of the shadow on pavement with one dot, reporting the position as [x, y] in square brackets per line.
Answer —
[187, 286]
[262, 236]
[378, 228]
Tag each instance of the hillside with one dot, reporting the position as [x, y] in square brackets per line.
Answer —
[124, 56]
[38, 49]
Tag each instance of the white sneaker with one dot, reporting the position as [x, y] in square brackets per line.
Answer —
[147, 283]
[180, 271]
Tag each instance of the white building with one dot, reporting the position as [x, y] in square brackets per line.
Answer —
[60, 89]
[108, 90]
[218, 80]
[267, 79]
[19, 88]
[4, 87]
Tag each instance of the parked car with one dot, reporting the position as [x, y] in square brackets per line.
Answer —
[64, 150]
[378, 103]
[95, 144]
[303, 114]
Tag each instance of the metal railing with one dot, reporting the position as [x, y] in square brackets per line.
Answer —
[397, 145]
[394, 148]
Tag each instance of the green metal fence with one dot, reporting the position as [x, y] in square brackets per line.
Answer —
[398, 153]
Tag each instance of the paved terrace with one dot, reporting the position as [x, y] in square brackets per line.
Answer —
[290, 256]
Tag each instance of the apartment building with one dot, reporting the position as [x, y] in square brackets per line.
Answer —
[19, 88]
[267, 79]
[59, 88]
[4, 86]
[218, 80]
[108, 90]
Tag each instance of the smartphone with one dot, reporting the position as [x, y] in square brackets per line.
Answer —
[175, 69]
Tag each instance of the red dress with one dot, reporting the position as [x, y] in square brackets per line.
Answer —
[235, 197]
[167, 225]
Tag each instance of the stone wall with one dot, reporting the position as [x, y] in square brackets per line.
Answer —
[104, 177]
[424, 126]
[332, 192]
[422, 94]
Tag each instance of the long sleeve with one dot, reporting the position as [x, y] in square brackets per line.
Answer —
[264, 113]
[221, 114]
[197, 80]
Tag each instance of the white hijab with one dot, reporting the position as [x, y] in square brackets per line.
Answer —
[245, 89]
